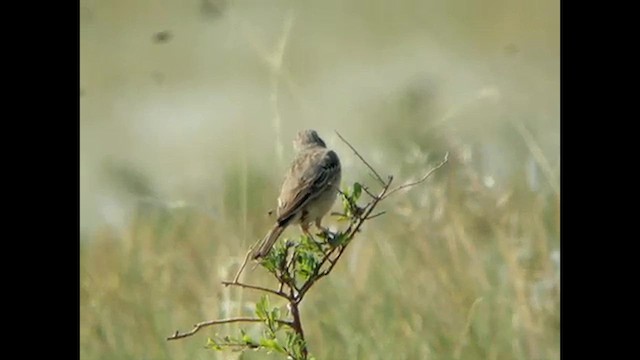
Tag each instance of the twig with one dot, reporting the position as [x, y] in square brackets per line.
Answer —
[246, 259]
[373, 176]
[297, 325]
[198, 326]
[444, 161]
[254, 287]
[376, 215]
[366, 189]
[361, 219]
[378, 177]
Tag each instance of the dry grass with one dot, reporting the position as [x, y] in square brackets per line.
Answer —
[453, 271]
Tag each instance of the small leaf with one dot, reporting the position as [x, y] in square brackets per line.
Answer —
[261, 307]
[212, 344]
[268, 332]
[275, 313]
[272, 344]
[307, 263]
[357, 191]
[338, 239]
[346, 206]
[247, 339]
[295, 345]
[269, 264]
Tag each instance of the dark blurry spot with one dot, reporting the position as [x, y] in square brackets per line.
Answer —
[418, 95]
[128, 178]
[511, 49]
[162, 37]
[212, 8]
[157, 77]
[413, 99]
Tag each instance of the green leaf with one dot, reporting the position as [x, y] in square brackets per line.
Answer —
[307, 264]
[304, 243]
[338, 239]
[247, 339]
[212, 344]
[261, 307]
[357, 191]
[269, 332]
[276, 259]
[343, 239]
[272, 344]
[346, 206]
[295, 344]
[269, 263]
[275, 314]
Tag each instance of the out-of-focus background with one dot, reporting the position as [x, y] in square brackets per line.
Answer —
[188, 109]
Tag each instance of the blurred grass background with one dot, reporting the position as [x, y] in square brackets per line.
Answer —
[188, 109]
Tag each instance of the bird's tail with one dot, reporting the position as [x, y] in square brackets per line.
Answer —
[268, 241]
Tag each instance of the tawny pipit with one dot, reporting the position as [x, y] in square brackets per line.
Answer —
[309, 189]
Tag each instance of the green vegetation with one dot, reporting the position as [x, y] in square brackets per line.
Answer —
[464, 274]
[195, 132]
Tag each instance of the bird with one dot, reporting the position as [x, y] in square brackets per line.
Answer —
[309, 189]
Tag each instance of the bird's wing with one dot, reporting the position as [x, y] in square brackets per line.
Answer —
[311, 172]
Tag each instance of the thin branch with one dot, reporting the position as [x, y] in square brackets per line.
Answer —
[366, 189]
[376, 215]
[296, 325]
[333, 263]
[244, 263]
[290, 268]
[198, 326]
[259, 288]
[444, 161]
[314, 277]
[291, 261]
[369, 209]
[378, 177]
[240, 345]
[373, 176]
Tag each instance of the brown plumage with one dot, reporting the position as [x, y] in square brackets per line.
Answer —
[309, 189]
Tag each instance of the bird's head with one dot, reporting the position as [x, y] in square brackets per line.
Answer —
[306, 139]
